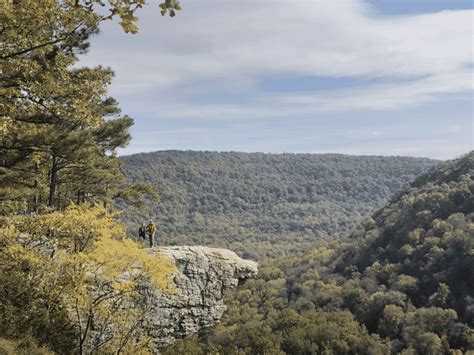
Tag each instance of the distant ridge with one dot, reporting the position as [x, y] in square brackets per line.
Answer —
[261, 204]
[184, 151]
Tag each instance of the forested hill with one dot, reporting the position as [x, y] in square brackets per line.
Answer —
[402, 284]
[263, 204]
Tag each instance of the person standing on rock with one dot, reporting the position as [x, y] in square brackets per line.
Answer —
[151, 230]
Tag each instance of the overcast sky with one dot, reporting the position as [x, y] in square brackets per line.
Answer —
[384, 77]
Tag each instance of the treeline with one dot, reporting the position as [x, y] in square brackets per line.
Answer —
[263, 205]
[402, 283]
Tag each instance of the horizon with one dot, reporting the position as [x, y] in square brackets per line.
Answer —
[285, 153]
[359, 77]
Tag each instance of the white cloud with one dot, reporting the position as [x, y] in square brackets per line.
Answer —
[234, 43]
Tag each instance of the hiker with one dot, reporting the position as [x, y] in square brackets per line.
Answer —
[142, 231]
[151, 229]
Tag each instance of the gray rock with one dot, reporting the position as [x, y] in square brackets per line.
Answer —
[204, 277]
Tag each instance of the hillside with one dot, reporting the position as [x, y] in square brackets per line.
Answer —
[263, 204]
[403, 283]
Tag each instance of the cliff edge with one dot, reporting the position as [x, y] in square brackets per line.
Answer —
[204, 276]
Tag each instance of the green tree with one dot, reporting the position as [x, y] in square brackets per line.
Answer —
[392, 317]
[61, 129]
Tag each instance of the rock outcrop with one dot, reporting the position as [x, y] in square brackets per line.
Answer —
[205, 275]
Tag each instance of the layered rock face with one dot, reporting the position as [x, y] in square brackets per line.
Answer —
[205, 275]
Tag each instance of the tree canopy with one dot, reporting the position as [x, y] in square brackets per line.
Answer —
[263, 205]
[402, 283]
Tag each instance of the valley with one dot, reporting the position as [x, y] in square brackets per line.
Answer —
[263, 205]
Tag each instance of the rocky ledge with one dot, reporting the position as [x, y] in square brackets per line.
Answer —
[204, 277]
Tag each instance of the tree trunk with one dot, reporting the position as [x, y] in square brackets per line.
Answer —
[36, 197]
[53, 181]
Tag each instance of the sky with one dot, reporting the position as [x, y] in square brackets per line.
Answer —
[366, 77]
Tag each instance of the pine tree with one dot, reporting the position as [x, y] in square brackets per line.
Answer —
[61, 130]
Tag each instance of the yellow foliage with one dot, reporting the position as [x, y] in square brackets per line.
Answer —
[74, 229]
[24, 347]
[124, 263]
[94, 271]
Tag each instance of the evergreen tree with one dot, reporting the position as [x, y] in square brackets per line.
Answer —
[61, 130]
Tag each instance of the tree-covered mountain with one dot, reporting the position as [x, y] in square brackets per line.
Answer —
[263, 204]
[402, 283]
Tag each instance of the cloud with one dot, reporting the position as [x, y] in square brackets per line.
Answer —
[235, 44]
[379, 97]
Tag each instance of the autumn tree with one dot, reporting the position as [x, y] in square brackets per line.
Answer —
[68, 277]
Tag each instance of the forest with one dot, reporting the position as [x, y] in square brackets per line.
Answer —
[358, 254]
[262, 205]
[401, 282]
